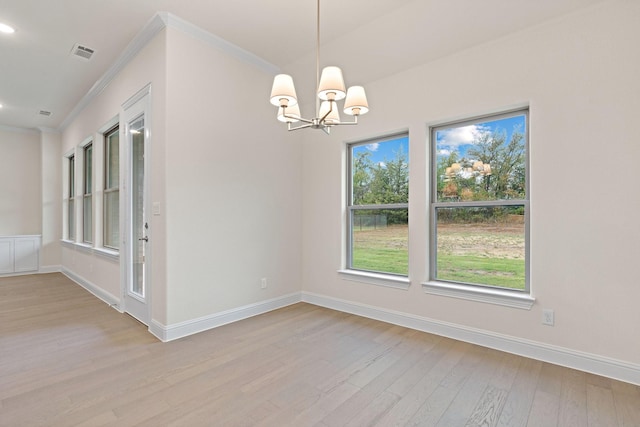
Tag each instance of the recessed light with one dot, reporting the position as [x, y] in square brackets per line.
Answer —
[4, 28]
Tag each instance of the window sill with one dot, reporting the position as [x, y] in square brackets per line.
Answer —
[109, 254]
[379, 279]
[486, 295]
[84, 247]
[68, 243]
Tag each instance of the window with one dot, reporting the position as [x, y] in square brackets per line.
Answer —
[479, 202]
[111, 238]
[87, 180]
[377, 206]
[71, 223]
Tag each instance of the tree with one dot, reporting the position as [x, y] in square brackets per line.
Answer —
[507, 160]
[384, 183]
[492, 169]
[361, 180]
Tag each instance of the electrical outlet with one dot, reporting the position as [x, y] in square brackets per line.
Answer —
[263, 283]
[547, 317]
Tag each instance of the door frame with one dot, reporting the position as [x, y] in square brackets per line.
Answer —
[139, 105]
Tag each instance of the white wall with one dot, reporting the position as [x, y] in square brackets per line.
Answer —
[20, 182]
[147, 67]
[50, 255]
[225, 176]
[579, 75]
[233, 179]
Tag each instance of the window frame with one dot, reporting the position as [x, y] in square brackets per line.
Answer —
[389, 279]
[87, 193]
[520, 298]
[106, 242]
[71, 223]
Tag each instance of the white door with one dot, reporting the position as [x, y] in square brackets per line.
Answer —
[137, 286]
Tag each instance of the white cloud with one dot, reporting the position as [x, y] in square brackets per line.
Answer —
[444, 152]
[373, 147]
[455, 137]
[383, 165]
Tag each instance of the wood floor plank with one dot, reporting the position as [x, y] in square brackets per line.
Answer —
[68, 359]
[477, 400]
[546, 401]
[601, 410]
[518, 405]
[573, 399]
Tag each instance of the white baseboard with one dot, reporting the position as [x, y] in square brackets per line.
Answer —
[95, 290]
[599, 365]
[190, 327]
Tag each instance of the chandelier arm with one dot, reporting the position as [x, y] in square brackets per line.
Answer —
[298, 127]
[355, 122]
[321, 120]
[302, 119]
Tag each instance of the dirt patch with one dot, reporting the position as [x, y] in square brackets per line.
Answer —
[491, 240]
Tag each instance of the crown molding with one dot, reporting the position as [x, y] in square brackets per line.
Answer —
[159, 22]
[212, 40]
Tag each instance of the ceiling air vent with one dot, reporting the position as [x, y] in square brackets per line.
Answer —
[82, 51]
[44, 113]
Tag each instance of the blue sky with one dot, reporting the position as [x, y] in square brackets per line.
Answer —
[386, 150]
[461, 138]
[458, 139]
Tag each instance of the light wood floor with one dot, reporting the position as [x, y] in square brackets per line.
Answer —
[67, 359]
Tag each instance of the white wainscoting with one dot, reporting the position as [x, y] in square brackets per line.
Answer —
[19, 254]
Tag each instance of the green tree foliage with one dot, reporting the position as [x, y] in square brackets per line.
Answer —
[361, 177]
[507, 160]
[503, 180]
[492, 169]
[383, 183]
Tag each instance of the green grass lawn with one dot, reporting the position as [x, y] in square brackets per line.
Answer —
[381, 259]
[490, 257]
[508, 273]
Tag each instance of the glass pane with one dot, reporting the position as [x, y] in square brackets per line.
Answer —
[380, 172]
[484, 246]
[87, 223]
[482, 161]
[72, 221]
[72, 174]
[112, 159]
[137, 144]
[88, 168]
[112, 219]
[380, 240]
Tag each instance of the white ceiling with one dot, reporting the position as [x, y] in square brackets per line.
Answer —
[370, 39]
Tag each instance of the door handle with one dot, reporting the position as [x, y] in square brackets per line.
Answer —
[145, 238]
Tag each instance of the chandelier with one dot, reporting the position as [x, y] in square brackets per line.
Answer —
[330, 89]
